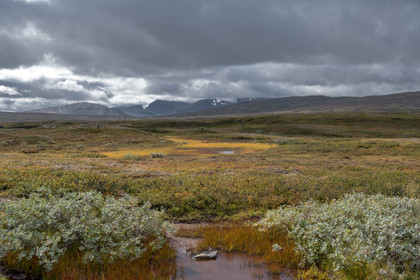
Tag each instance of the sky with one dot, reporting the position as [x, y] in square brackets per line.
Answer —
[121, 52]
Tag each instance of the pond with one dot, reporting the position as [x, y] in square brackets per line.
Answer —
[227, 266]
[227, 152]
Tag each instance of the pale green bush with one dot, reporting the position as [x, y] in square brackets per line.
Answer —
[354, 229]
[103, 229]
[130, 156]
[157, 155]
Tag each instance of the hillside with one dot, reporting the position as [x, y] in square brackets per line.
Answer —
[399, 102]
[82, 108]
[7, 117]
[165, 107]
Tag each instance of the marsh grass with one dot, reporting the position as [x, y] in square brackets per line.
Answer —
[249, 240]
[312, 273]
[151, 265]
[190, 147]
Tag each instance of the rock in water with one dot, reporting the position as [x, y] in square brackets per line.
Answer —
[205, 255]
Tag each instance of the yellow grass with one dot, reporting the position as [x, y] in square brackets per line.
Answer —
[140, 152]
[193, 147]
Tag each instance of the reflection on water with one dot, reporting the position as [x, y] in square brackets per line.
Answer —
[227, 152]
[227, 266]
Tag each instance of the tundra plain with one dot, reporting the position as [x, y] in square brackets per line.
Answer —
[225, 173]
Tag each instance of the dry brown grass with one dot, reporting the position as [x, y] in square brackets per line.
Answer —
[152, 265]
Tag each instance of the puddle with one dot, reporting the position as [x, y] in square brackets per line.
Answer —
[227, 152]
[227, 266]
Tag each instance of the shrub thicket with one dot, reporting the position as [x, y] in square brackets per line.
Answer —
[355, 230]
[45, 227]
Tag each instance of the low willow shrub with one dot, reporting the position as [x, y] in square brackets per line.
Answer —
[357, 229]
[157, 155]
[45, 227]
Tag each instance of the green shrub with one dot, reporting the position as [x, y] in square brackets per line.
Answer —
[157, 155]
[130, 156]
[352, 231]
[88, 155]
[103, 229]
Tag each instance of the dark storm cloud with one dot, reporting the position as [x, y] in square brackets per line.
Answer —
[115, 51]
[124, 36]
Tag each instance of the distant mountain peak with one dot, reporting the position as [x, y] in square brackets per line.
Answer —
[80, 108]
[161, 107]
[223, 101]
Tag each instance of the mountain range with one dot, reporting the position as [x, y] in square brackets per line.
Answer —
[156, 108]
[399, 102]
[81, 108]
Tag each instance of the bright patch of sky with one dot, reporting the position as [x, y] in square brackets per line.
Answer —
[8, 90]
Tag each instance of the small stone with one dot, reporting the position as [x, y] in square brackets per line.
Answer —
[205, 255]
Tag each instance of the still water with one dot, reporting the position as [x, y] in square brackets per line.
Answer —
[227, 152]
[227, 266]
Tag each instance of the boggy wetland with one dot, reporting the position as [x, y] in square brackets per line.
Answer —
[287, 196]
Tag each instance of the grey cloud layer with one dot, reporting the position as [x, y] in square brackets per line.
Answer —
[189, 49]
